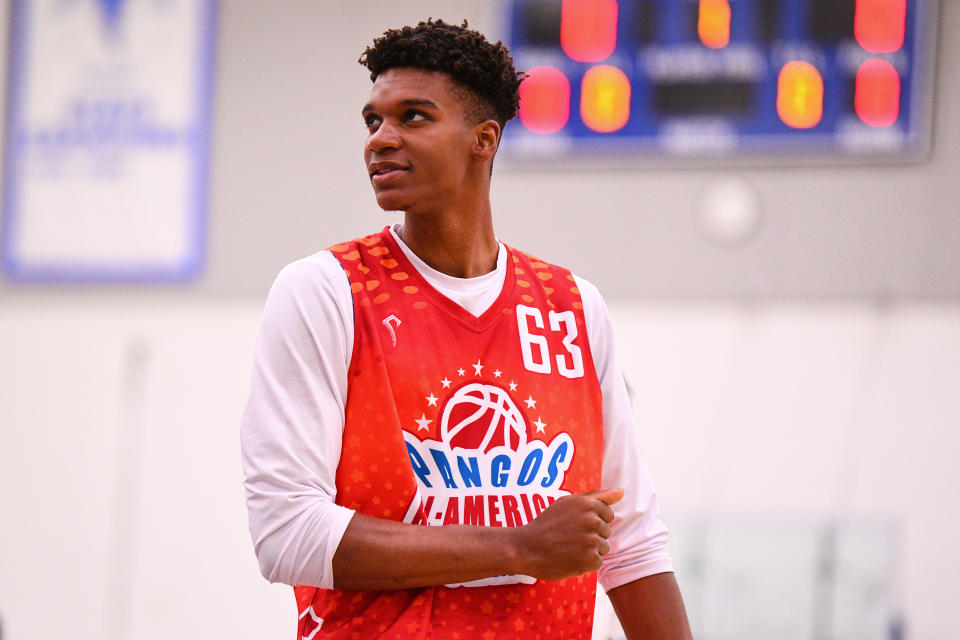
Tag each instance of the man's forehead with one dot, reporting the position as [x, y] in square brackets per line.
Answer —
[404, 84]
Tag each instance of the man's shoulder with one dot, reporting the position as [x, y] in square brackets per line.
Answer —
[526, 260]
[319, 271]
[537, 261]
[585, 287]
[350, 249]
[307, 267]
[327, 269]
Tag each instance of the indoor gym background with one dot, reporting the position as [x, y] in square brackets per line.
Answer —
[796, 394]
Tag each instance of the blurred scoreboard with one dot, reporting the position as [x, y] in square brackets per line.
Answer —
[708, 78]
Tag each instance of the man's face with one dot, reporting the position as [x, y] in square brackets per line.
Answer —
[418, 146]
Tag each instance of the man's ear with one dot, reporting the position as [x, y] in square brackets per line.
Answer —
[487, 139]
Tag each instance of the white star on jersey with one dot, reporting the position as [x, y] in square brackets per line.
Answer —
[422, 422]
[531, 403]
[497, 373]
[513, 386]
[432, 400]
[477, 368]
[460, 371]
[445, 382]
[540, 425]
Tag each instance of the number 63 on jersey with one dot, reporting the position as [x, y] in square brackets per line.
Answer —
[535, 348]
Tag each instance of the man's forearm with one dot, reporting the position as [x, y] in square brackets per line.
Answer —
[383, 554]
[567, 539]
[651, 608]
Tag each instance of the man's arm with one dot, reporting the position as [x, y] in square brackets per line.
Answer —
[651, 608]
[291, 429]
[568, 539]
[638, 570]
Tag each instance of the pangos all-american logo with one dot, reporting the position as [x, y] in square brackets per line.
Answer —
[485, 470]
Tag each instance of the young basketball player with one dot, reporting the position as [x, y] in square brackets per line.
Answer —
[438, 442]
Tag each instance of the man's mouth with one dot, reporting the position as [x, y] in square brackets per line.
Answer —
[384, 168]
[383, 173]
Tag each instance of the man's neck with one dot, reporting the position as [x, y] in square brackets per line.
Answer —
[459, 243]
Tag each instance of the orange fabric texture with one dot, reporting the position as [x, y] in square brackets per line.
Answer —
[458, 419]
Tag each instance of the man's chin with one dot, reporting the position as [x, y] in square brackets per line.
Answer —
[388, 203]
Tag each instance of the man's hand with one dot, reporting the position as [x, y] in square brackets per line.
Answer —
[570, 537]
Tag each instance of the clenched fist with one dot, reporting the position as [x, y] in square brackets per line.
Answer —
[570, 537]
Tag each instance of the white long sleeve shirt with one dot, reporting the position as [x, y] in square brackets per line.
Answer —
[292, 428]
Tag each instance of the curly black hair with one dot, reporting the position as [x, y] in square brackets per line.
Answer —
[485, 70]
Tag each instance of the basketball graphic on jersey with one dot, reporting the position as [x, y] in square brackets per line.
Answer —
[480, 416]
[483, 466]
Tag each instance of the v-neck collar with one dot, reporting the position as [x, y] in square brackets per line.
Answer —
[445, 304]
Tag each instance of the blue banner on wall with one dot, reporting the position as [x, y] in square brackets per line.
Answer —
[107, 140]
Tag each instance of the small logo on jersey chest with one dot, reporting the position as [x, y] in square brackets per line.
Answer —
[392, 322]
[311, 623]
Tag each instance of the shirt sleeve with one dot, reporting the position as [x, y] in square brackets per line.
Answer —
[638, 540]
[292, 427]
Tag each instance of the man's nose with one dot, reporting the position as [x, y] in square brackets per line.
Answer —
[384, 138]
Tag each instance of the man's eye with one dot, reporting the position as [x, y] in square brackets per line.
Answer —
[371, 121]
[415, 116]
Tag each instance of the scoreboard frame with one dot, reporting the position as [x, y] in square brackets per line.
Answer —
[759, 137]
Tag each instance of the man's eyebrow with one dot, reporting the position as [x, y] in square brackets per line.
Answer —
[419, 102]
[409, 102]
